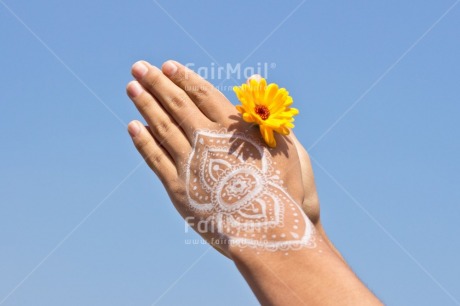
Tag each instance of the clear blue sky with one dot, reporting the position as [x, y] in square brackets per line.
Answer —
[84, 222]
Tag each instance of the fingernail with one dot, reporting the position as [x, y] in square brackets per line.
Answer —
[134, 89]
[169, 68]
[256, 77]
[139, 70]
[133, 129]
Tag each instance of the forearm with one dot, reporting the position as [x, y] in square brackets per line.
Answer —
[316, 276]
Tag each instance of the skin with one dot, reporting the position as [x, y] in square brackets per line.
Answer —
[175, 102]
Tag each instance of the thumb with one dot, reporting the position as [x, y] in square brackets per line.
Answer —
[256, 77]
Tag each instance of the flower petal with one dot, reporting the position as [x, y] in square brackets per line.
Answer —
[240, 109]
[256, 93]
[267, 134]
[248, 117]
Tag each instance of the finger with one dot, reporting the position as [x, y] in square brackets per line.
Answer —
[174, 100]
[256, 77]
[154, 155]
[212, 103]
[310, 203]
[163, 127]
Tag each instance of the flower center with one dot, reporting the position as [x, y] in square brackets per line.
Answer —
[262, 111]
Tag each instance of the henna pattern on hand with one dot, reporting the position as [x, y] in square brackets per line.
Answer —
[232, 184]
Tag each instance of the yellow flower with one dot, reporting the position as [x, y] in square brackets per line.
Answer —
[267, 106]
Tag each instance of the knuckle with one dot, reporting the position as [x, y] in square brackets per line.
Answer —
[142, 142]
[178, 102]
[156, 159]
[142, 104]
[162, 128]
[199, 90]
[203, 91]
[186, 75]
[180, 76]
[176, 187]
[154, 78]
[194, 84]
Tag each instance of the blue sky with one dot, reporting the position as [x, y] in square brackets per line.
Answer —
[84, 222]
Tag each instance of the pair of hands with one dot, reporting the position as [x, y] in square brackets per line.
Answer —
[205, 154]
[254, 199]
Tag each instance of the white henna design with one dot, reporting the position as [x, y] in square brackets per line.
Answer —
[233, 186]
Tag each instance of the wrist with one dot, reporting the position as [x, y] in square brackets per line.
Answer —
[313, 276]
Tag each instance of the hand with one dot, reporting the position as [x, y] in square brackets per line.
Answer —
[238, 193]
[222, 179]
